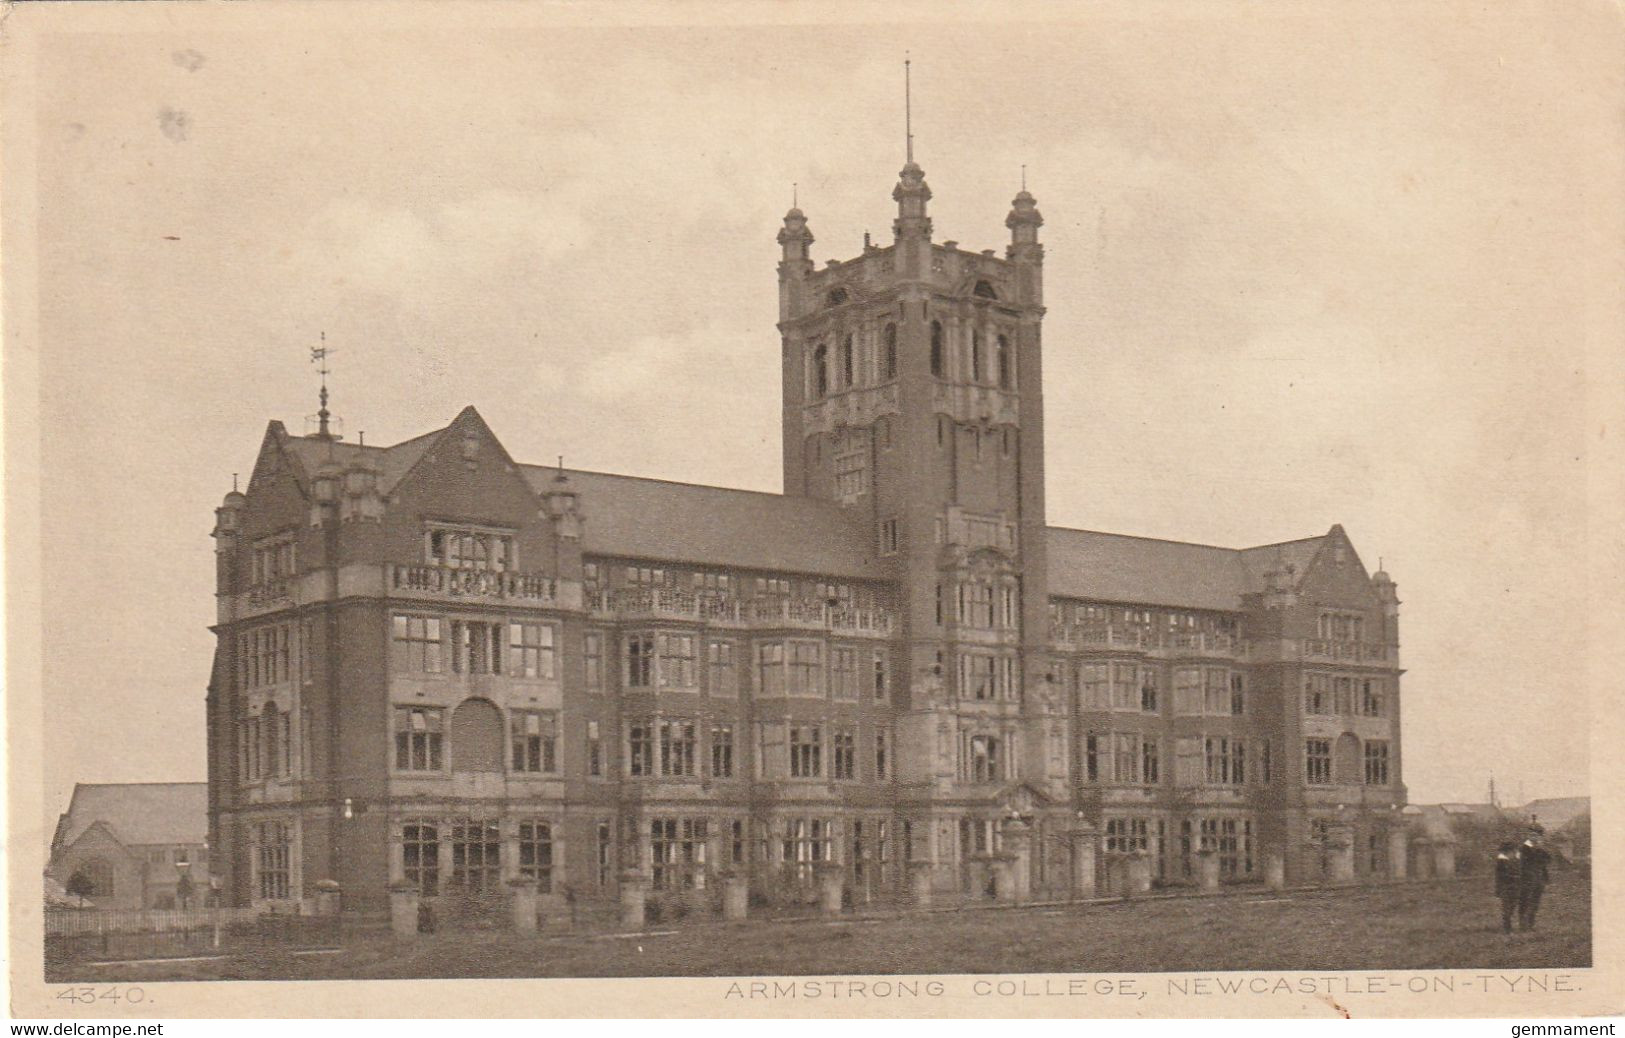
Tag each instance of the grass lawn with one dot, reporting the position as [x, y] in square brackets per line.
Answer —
[1452, 925]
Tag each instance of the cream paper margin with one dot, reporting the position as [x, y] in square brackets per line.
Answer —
[1590, 31]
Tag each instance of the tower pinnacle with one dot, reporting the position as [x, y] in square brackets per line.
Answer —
[318, 356]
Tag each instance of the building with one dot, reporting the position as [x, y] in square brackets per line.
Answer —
[128, 845]
[439, 666]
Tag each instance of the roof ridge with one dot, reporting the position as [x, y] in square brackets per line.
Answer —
[1142, 537]
[814, 501]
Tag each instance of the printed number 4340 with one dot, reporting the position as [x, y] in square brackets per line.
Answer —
[112, 994]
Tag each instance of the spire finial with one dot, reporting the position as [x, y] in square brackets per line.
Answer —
[1024, 176]
[908, 107]
[795, 195]
[234, 482]
[318, 355]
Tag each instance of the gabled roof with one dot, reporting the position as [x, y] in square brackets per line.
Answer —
[685, 522]
[391, 462]
[1113, 567]
[138, 813]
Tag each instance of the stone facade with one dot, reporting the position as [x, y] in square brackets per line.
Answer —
[439, 667]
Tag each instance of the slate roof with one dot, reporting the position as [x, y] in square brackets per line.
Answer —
[637, 517]
[138, 812]
[1114, 567]
[686, 522]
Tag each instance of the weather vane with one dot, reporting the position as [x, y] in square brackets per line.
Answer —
[318, 355]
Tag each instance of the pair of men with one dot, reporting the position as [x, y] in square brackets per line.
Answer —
[1521, 873]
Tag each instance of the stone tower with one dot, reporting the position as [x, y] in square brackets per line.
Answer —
[913, 394]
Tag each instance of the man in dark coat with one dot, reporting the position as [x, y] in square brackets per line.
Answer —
[1533, 860]
[1506, 882]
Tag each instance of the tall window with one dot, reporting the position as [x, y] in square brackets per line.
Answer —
[273, 857]
[640, 660]
[592, 653]
[1238, 694]
[1318, 762]
[419, 732]
[820, 372]
[846, 362]
[536, 854]
[878, 685]
[677, 748]
[1150, 762]
[936, 349]
[476, 856]
[1094, 686]
[1371, 697]
[806, 669]
[420, 856]
[1317, 694]
[976, 356]
[677, 852]
[595, 751]
[535, 741]
[1148, 690]
[476, 647]
[720, 676]
[1004, 362]
[985, 765]
[882, 754]
[604, 853]
[1376, 763]
[722, 751]
[1188, 691]
[770, 669]
[843, 754]
[806, 751]
[1226, 760]
[807, 841]
[1126, 761]
[640, 745]
[889, 537]
[530, 651]
[843, 673]
[1218, 691]
[677, 661]
[888, 362]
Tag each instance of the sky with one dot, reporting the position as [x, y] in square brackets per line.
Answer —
[1303, 267]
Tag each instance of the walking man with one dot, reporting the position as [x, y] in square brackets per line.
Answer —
[1506, 882]
[1533, 860]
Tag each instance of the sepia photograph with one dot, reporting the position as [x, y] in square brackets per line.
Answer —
[1097, 510]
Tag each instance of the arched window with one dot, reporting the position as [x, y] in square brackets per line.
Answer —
[889, 361]
[820, 372]
[846, 361]
[476, 736]
[976, 356]
[1004, 363]
[936, 348]
[984, 290]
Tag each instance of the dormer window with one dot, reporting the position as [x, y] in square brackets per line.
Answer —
[273, 560]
